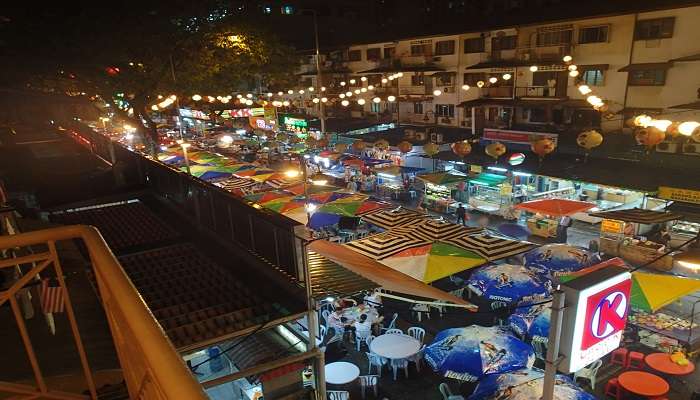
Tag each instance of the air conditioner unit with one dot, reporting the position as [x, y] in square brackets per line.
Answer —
[667, 147]
[692, 149]
[436, 137]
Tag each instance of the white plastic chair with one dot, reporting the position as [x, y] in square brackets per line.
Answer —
[419, 310]
[417, 358]
[369, 340]
[369, 381]
[416, 333]
[327, 306]
[540, 346]
[589, 372]
[324, 315]
[399, 363]
[375, 360]
[447, 393]
[322, 331]
[395, 331]
[392, 323]
[338, 395]
[361, 336]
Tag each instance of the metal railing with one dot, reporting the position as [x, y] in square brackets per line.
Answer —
[151, 366]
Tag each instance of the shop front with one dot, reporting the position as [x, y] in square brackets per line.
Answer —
[686, 203]
[295, 124]
[443, 190]
[490, 193]
[396, 182]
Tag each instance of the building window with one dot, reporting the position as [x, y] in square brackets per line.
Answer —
[374, 54]
[445, 110]
[554, 36]
[445, 48]
[287, 10]
[354, 55]
[420, 49]
[389, 52]
[544, 78]
[538, 115]
[593, 34]
[417, 79]
[471, 78]
[475, 45]
[504, 43]
[647, 77]
[658, 28]
[418, 108]
[592, 77]
[267, 10]
[375, 107]
[444, 80]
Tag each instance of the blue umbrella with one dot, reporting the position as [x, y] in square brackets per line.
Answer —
[532, 322]
[560, 259]
[514, 230]
[471, 353]
[506, 285]
[321, 220]
[212, 175]
[526, 384]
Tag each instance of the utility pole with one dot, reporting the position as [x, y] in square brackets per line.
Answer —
[177, 100]
[319, 78]
[552, 361]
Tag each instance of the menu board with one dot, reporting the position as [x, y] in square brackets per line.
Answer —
[678, 194]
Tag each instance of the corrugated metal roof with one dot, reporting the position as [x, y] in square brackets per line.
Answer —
[331, 279]
[638, 215]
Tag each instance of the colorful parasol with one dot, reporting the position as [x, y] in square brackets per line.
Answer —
[526, 384]
[470, 353]
[491, 247]
[264, 197]
[555, 207]
[388, 219]
[650, 292]
[560, 259]
[505, 285]
[432, 229]
[254, 172]
[434, 261]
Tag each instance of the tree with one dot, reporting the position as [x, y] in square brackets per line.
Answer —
[129, 56]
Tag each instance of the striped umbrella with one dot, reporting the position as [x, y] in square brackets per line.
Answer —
[389, 219]
[431, 230]
[490, 247]
[385, 245]
[237, 184]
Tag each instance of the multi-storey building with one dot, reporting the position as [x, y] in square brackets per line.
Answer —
[515, 79]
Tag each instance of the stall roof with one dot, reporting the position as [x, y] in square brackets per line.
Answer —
[638, 215]
[555, 207]
[388, 278]
[388, 219]
[689, 211]
[330, 279]
[444, 178]
[488, 179]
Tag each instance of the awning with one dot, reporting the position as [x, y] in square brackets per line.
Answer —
[388, 278]
[404, 68]
[694, 57]
[488, 179]
[329, 279]
[689, 211]
[688, 106]
[444, 178]
[638, 215]
[555, 207]
[643, 66]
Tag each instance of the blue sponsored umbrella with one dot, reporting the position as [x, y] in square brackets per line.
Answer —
[504, 285]
[514, 230]
[560, 259]
[472, 352]
[213, 175]
[531, 323]
[526, 384]
[321, 220]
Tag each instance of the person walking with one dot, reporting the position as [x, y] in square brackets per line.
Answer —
[461, 214]
[562, 229]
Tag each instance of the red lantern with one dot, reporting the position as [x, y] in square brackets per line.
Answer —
[462, 149]
[649, 137]
[405, 147]
[381, 144]
[112, 71]
[431, 149]
[358, 145]
[542, 147]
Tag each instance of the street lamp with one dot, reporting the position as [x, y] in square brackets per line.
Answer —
[184, 146]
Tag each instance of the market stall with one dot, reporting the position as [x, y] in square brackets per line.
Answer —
[686, 227]
[606, 198]
[624, 233]
[440, 190]
[543, 222]
[489, 192]
[395, 182]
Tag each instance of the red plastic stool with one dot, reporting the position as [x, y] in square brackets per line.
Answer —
[612, 388]
[635, 360]
[619, 357]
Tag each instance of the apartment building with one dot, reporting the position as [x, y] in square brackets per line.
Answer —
[641, 62]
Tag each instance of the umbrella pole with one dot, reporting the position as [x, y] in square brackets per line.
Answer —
[552, 361]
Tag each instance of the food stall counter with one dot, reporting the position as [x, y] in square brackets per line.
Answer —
[544, 227]
[637, 252]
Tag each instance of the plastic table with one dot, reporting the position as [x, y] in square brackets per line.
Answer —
[662, 362]
[643, 383]
[394, 346]
[341, 372]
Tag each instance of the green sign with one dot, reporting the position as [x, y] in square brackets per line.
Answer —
[295, 122]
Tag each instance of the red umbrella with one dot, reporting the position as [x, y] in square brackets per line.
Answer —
[555, 207]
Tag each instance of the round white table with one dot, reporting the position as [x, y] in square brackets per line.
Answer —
[341, 372]
[394, 346]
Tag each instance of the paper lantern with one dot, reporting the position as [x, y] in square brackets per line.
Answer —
[461, 149]
[358, 145]
[431, 149]
[381, 144]
[495, 150]
[589, 139]
[405, 147]
[341, 147]
[649, 137]
[542, 147]
[516, 159]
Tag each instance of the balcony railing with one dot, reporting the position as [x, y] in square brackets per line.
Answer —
[151, 366]
[537, 91]
[504, 92]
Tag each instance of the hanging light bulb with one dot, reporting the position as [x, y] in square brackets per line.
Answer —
[324, 99]
[437, 92]
[573, 73]
[507, 77]
[465, 87]
[311, 88]
[285, 103]
[348, 94]
[250, 96]
[642, 120]
[584, 89]
[345, 103]
[342, 95]
[493, 79]
[323, 88]
[363, 79]
[391, 99]
[290, 91]
[248, 102]
[358, 91]
[315, 100]
[361, 102]
[399, 74]
[196, 97]
[384, 80]
[238, 96]
[211, 99]
[352, 81]
[391, 77]
[567, 59]
[370, 87]
[224, 100]
[534, 68]
[280, 93]
[363, 90]
[480, 84]
[269, 94]
[301, 91]
[687, 128]
[573, 67]
[660, 124]
[376, 99]
[342, 83]
[154, 107]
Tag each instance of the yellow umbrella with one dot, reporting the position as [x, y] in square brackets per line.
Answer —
[650, 292]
